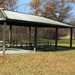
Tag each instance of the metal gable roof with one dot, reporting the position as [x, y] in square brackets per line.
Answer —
[21, 19]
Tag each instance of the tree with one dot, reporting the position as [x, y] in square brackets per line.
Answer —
[72, 22]
[9, 4]
[1, 3]
[52, 9]
[71, 0]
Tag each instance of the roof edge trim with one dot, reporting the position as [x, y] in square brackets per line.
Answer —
[3, 12]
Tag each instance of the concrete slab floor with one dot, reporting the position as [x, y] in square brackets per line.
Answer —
[15, 51]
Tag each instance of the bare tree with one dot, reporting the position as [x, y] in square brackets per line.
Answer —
[72, 22]
[52, 9]
[71, 0]
[9, 4]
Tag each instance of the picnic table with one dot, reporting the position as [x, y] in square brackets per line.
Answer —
[40, 44]
[28, 44]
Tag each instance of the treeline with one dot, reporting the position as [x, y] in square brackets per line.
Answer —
[59, 10]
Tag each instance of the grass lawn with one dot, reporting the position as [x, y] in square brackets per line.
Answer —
[44, 63]
[63, 42]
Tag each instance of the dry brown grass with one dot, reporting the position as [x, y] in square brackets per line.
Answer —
[47, 63]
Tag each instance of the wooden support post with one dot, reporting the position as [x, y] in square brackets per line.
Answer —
[71, 37]
[4, 37]
[35, 39]
[56, 39]
[10, 35]
[29, 33]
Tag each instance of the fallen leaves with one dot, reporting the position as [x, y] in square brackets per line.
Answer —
[48, 63]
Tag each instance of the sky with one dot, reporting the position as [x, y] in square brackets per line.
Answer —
[23, 7]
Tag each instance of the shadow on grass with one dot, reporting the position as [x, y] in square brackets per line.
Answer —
[59, 48]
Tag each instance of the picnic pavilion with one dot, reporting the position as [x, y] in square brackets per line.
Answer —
[19, 19]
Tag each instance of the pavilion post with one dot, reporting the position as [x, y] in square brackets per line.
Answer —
[10, 35]
[35, 39]
[71, 32]
[56, 38]
[29, 33]
[4, 37]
